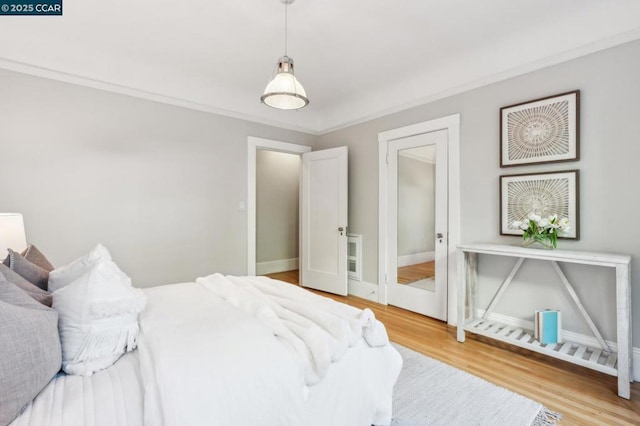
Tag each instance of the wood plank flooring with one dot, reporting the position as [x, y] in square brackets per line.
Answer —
[412, 273]
[406, 274]
[583, 396]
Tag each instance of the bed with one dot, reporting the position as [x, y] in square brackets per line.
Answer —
[235, 351]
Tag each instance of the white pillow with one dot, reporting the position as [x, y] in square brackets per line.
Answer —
[98, 318]
[63, 275]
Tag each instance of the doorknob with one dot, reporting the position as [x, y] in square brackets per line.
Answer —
[439, 236]
[341, 230]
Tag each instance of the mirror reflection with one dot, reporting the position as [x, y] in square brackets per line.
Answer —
[416, 217]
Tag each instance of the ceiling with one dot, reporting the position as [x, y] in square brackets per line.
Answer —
[357, 59]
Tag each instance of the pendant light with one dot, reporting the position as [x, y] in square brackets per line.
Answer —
[284, 91]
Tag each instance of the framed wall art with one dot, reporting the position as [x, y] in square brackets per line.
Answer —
[544, 194]
[545, 130]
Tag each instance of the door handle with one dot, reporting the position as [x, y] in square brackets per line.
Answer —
[439, 236]
[341, 230]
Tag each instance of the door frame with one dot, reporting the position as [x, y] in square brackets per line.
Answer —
[450, 123]
[253, 145]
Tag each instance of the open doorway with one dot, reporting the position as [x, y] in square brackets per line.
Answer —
[277, 214]
[322, 220]
[256, 147]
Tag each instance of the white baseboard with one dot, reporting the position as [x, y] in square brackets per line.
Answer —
[363, 289]
[274, 266]
[412, 259]
[570, 336]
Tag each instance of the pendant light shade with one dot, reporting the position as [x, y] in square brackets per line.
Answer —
[284, 91]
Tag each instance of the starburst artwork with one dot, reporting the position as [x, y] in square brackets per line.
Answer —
[541, 131]
[543, 194]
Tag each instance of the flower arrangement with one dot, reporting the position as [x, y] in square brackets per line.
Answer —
[542, 230]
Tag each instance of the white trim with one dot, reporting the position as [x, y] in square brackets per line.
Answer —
[321, 129]
[413, 258]
[383, 149]
[106, 86]
[488, 80]
[363, 289]
[452, 124]
[253, 145]
[273, 266]
[582, 339]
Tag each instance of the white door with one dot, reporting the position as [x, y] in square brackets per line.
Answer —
[417, 223]
[323, 220]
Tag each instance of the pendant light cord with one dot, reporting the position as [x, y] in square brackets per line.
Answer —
[286, 5]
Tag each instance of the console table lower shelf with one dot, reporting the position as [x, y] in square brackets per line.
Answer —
[576, 353]
[618, 363]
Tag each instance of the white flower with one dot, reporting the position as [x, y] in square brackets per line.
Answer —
[516, 224]
[534, 217]
[542, 229]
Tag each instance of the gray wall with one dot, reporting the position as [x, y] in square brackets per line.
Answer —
[277, 203]
[159, 185]
[610, 150]
[416, 206]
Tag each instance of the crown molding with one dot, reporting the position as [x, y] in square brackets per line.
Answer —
[51, 74]
[329, 126]
[482, 81]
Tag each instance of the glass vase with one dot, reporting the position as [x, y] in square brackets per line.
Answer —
[538, 241]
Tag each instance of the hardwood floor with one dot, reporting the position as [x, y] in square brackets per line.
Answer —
[287, 276]
[583, 396]
[411, 273]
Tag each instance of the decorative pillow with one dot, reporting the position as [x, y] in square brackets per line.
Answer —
[29, 349]
[35, 256]
[63, 275]
[34, 291]
[98, 318]
[27, 270]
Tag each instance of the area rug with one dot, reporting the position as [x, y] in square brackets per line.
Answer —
[429, 392]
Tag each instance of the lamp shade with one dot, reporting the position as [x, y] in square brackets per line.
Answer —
[284, 91]
[12, 233]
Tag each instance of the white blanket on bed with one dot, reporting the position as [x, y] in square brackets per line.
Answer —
[242, 351]
[319, 330]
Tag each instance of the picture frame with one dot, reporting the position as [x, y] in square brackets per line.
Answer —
[545, 130]
[544, 194]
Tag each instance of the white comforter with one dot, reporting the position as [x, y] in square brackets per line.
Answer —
[108, 398]
[232, 351]
[319, 330]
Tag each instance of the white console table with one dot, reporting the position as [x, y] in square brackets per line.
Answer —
[601, 359]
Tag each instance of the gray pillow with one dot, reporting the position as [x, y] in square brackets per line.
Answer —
[34, 291]
[35, 256]
[27, 270]
[30, 354]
